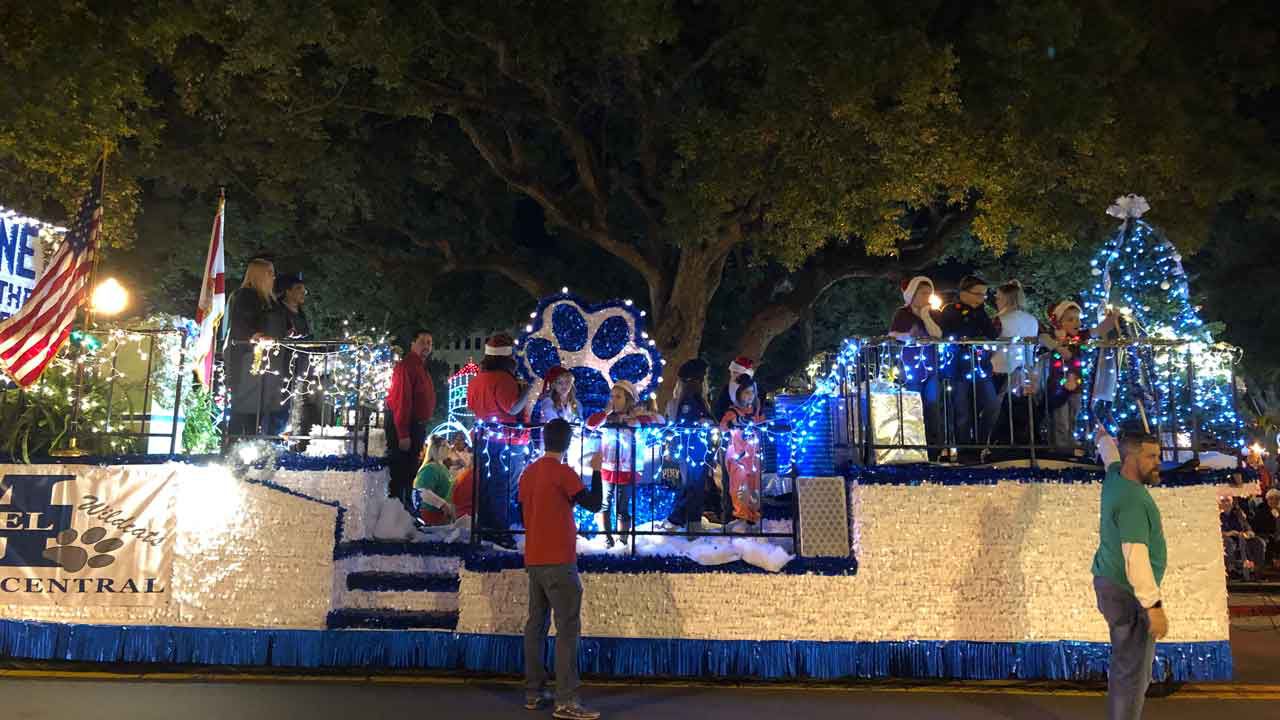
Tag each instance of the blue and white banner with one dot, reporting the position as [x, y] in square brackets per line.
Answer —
[81, 535]
[20, 260]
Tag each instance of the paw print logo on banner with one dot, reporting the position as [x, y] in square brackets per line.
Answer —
[73, 558]
[600, 344]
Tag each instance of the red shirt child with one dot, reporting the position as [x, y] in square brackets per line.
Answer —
[462, 497]
[617, 446]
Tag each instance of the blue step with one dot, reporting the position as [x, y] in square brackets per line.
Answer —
[355, 548]
[402, 582]
[387, 619]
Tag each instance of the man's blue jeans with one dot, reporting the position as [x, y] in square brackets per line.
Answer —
[1132, 650]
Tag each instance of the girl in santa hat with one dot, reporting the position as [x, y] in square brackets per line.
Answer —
[1067, 370]
[917, 319]
[617, 448]
[498, 401]
[558, 399]
[742, 455]
[741, 365]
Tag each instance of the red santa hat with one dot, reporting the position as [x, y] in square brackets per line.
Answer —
[500, 345]
[1057, 311]
[743, 365]
[553, 373]
[909, 287]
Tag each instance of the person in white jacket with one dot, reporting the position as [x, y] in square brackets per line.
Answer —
[1012, 366]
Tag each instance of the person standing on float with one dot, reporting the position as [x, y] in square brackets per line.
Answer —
[689, 410]
[499, 403]
[1129, 567]
[716, 501]
[411, 402]
[975, 404]
[917, 319]
[254, 320]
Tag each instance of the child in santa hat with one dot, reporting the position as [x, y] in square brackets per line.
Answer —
[499, 401]
[741, 365]
[558, 399]
[618, 450]
[915, 320]
[742, 455]
[1067, 369]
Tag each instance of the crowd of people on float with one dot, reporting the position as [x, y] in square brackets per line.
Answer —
[269, 398]
[965, 386]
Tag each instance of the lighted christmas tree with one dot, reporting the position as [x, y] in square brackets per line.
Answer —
[1182, 382]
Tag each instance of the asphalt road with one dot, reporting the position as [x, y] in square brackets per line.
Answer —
[37, 699]
[34, 691]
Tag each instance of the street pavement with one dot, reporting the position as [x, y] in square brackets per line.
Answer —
[32, 699]
[35, 692]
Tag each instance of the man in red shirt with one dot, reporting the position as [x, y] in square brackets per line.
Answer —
[548, 491]
[411, 401]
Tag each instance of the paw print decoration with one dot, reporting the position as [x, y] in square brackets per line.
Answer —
[600, 344]
[92, 551]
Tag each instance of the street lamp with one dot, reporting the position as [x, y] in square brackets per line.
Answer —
[109, 298]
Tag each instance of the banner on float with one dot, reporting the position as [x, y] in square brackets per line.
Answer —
[19, 262]
[86, 536]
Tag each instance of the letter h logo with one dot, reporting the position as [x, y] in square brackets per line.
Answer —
[29, 519]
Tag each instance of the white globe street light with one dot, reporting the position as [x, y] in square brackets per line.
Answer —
[109, 298]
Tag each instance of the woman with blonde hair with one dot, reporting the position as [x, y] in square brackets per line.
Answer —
[254, 320]
[433, 486]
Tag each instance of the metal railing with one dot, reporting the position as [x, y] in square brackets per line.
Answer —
[121, 413]
[299, 392]
[501, 451]
[948, 392]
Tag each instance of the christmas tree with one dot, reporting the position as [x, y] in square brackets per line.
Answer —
[1178, 379]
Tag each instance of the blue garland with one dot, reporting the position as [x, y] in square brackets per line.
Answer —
[389, 619]
[920, 474]
[490, 561]
[605, 657]
[361, 548]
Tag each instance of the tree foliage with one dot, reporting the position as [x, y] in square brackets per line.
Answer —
[801, 144]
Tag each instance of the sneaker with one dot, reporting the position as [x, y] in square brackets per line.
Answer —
[540, 700]
[575, 711]
[669, 527]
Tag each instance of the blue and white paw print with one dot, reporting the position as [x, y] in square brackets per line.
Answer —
[71, 557]
[601, 344]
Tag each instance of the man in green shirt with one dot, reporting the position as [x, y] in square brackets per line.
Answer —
[1129, 566]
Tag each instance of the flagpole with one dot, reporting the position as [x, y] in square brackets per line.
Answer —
[73, 448]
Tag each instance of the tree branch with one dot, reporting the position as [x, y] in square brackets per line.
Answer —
[712, 50]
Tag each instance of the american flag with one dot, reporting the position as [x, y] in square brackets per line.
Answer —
[31, 338]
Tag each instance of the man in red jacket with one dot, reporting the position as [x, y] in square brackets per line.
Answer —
[411, 401]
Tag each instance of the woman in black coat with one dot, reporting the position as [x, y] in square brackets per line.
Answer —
[255, 315]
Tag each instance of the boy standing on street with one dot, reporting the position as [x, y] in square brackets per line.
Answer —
[549, 489]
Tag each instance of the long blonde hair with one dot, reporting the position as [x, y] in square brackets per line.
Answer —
[1013, 294]
[569, 402]
[260, 277]
[437, 449]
